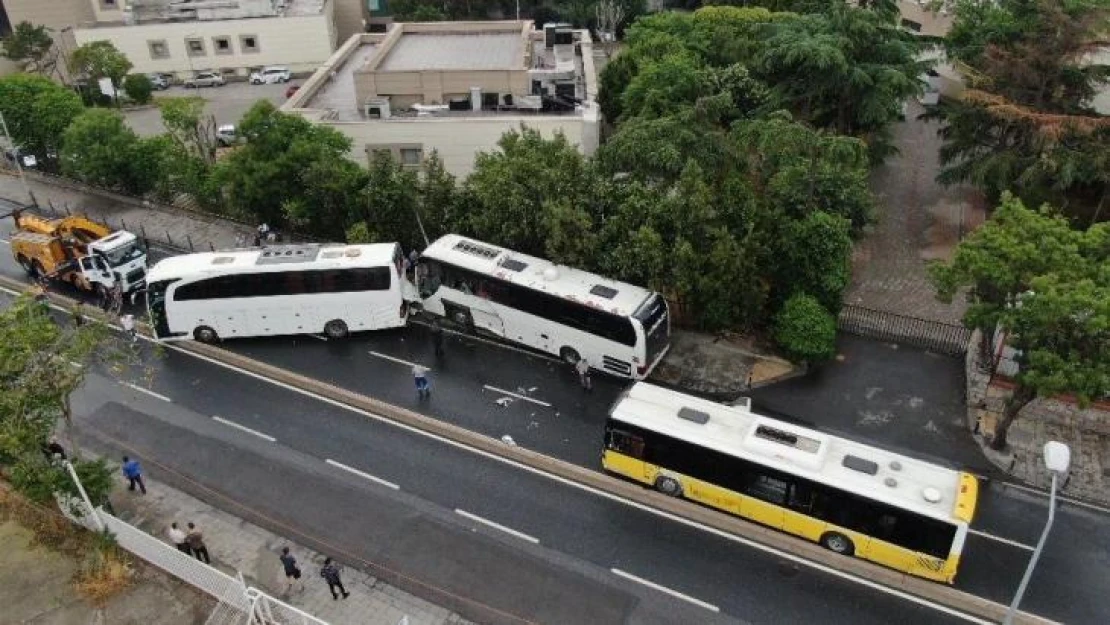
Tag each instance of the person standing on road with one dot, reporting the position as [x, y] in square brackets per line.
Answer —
[420, 376]
[330, 573]
[195, 539]
[583, 369]
[134, 474]
[79, 314]
[437, 338]
[178, 538]
[292, 571]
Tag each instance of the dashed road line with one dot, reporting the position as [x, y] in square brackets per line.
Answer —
[245, 429]
[507, 530]
[363, 474]
[136, 387]
[396, 360]
[664, 589]
[1005, 541]
[512, 394]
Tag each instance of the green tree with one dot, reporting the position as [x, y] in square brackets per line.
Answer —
[138, 87]
[36, 382]
[1024, 124]
[100, 149]
[32, 48]
[101, 59]
[658, 149]
[164, 167]
[1060, 330]
[664, 86]
[390, 202]
[38, 111]
[805, 330]
[999, 260]
[441, 207]
[189, 126]
[813, 257]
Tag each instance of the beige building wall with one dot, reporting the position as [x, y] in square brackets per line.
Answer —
[300, 43]
[459, 140]
[348, 18]
[57, 15]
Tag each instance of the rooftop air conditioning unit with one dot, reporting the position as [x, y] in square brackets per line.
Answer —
[377, 108]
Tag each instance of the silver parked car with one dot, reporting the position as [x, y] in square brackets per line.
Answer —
[160, 82]
[205, 79]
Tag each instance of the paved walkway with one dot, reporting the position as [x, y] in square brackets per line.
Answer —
[918, 221]
[238, 546]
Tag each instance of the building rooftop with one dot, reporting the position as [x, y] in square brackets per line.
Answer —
[455, 51]
[164, 11]
[338, 94]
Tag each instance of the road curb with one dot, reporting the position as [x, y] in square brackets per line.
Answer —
[721, 522]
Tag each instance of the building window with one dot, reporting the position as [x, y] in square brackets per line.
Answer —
[374, 153]
[158, 49]
[248, 43]
[412, 157]
[221, 45]
[194, 46]
[108, 5]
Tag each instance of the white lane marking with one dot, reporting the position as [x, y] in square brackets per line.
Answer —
[362, 474]
[507, 530]
[245, 429]
[1075, 502]
[600, 493]
[397, 360]
[145, 390]
[1007, 541]
[512, 394]
[673, 593]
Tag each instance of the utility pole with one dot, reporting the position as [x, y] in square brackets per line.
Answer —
[16, 152]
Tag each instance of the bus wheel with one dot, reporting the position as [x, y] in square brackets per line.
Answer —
[335, 329]
[26, 264]
[569, 355]
[838, 543]
[37, 270]
[668, 486]
[204, 334]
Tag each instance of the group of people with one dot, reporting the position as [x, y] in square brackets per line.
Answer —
[190, 543]
[330, 573]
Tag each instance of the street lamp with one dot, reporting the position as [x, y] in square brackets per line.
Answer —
[1057, 457]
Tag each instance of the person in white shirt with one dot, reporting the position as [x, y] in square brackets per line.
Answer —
[420, 376]
[127, 322]
[583, 369]
[177, 537]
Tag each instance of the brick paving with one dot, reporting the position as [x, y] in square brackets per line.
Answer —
[918, 221]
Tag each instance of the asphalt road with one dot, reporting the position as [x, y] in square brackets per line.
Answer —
[469, 388]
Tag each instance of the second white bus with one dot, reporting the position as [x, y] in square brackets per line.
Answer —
[620, 329]
[293, 289]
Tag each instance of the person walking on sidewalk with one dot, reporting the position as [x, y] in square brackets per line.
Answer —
[292, 571]
[583, 369]
[178, 538]
[134, 474]
[195, 539]
[420, 377]
[330, 573]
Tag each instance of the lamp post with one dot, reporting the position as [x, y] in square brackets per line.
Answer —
[1057, 457]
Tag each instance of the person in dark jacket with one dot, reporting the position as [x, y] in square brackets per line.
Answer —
[437, 339]
[195, 540]
[292, 571]
[330, 573]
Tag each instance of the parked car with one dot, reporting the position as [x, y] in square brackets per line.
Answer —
[205, 79]
[160, 82]
[271, 75]
[291, 90]
[226, 135]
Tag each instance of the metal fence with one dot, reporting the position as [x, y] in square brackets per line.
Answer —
[937, 336]
[239, 604]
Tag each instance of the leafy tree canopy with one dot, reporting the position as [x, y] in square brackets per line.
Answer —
[37, 111]
[100, 59]
[100, 149]
[32, 47]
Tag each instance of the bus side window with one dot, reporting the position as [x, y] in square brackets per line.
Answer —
[801, 497]
[626, 443]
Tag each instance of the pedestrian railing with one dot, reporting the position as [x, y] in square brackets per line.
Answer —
[937, 336]
[238, 602]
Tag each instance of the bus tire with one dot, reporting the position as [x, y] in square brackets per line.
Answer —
[37, 270]
[838, 543]
[204, 334]
[26, 264]
[335, 329]
[569, 355]
[668, 486]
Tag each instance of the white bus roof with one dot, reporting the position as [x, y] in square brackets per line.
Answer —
[273, 258]
[536, 273]
[900, 481]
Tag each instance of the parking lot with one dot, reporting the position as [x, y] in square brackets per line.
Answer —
[227, 103]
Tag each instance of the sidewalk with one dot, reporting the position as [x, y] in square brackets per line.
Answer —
[722, 368]
[238, 546]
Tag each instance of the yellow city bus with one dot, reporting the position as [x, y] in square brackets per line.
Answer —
[851, 498]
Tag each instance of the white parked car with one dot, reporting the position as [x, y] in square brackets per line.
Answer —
[226, 135]
[205, 79]
[271, 75]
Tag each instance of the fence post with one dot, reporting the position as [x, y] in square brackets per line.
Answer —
[190, 240]
[84, 496]
[67, 209]
[122, 224]
[211, 247]
[169, 238]
[142, 229]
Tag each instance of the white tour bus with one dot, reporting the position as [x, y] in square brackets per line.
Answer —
[291, 289]
[621, 329]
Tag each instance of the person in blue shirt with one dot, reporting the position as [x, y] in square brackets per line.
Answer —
[134, 474]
